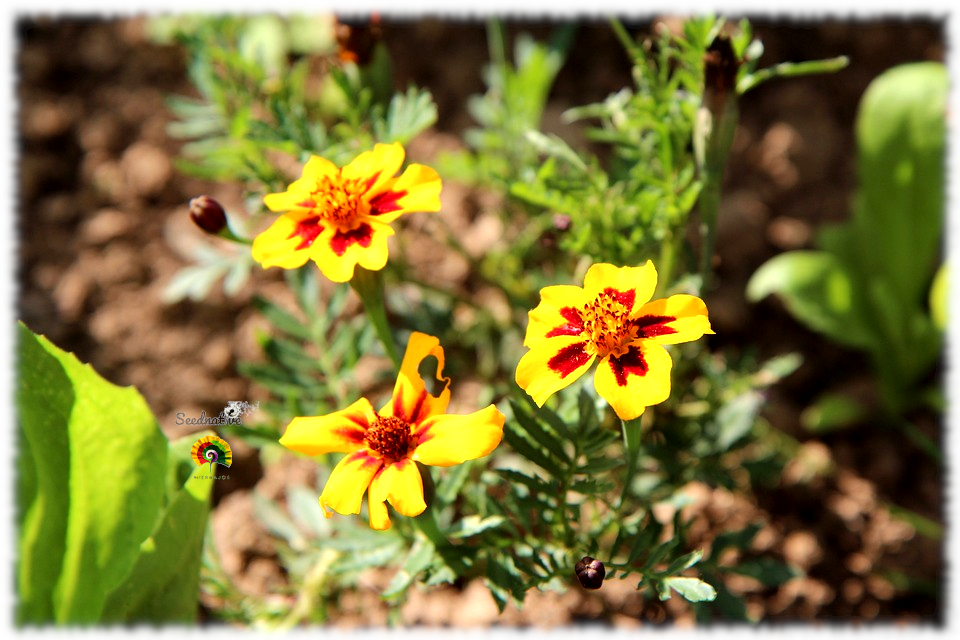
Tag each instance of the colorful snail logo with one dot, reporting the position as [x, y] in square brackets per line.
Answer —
[213, 450]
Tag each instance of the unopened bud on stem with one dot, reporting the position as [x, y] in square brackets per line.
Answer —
[208, 214]
[590, 573]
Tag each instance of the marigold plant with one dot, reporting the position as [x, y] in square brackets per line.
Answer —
[609, 319]
[340, 217]
[383, 448]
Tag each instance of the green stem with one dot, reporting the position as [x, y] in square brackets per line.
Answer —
[668, 259]
[632, 437]
[624, 37]
[369, 286]
[426, 522]
[709, 206]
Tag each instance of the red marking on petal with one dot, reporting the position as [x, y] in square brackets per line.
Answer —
[398, 410]
[629, 364]
[423, 433]
[626, 298]
[306, 204]
[415, 416]
[385, 202]
[573, 326]
[569, 359]
[650, 326]
[372, 180]
[364, 457]
[308, 229]
[342, 240]
[354, 434]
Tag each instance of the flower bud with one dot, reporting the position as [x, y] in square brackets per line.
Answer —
[208, 214]
[590, 573]
[357, 38]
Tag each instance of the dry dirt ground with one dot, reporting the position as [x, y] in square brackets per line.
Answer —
[99, 197]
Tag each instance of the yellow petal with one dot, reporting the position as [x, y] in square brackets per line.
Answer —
[280, 246]
[341, 431]
[411, 402]
[349, 479]
[417, 189]
[299, 190]
[638, 379]
[679, 318]
[379, 518]
[448, 439]
[338, 252]
[380, 164]
[552, 364]
[641, 280]
[557, 314]
[399, 484]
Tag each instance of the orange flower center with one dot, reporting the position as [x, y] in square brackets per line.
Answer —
[339, 200]
[607, 325]
[390, 437]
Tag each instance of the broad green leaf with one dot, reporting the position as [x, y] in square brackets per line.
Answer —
[900, 211]
[164, 585]
[817, 290]
[938, 298]
[98, 448]
[692, 589]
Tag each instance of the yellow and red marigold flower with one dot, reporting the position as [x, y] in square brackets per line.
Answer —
[340, 217]
[609, 319]
[383, 448]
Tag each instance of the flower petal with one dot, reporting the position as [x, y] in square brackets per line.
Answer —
[299, 190]
[399, 484]
[417, 189]
[349, 479]
[552, 364]
[636, 380]
[341, 431]
[556, 315]
[376, 167]
[679, 318]
[411, 402]
[642, 281]
[446, 440]
[337, 252]
[287, 242]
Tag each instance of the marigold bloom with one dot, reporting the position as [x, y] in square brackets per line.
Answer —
[340, 217]
[383, 448]
[607, 319]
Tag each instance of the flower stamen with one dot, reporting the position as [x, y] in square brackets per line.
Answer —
[390, 437]
[338, 200]
[606, 323]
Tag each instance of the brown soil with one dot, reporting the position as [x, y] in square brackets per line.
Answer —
[99, 199]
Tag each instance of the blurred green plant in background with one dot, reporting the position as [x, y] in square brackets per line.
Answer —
[878, 283]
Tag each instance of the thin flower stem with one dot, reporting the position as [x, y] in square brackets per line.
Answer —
[621, 32]
[632, 436]
[426, 522]
[369, 286]
[668, 257]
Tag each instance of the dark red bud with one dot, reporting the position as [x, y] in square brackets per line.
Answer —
[208, 214]
[590, 573]
[720, 66]
[356, 38]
